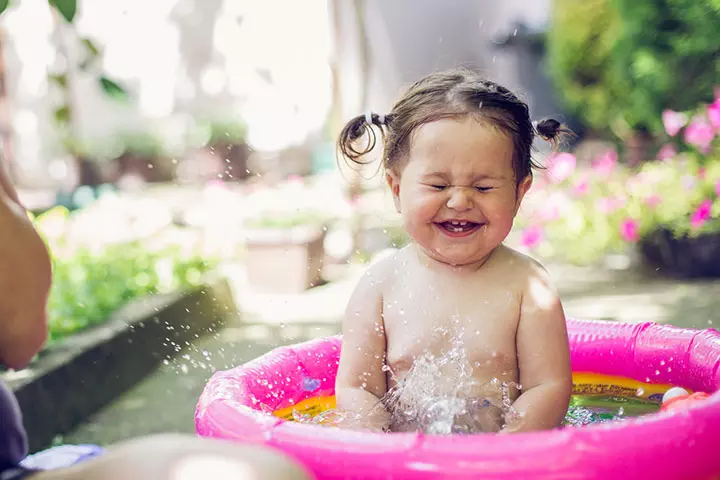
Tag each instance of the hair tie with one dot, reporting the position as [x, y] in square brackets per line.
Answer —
[535, 124]
[368, 118]
[381, 118]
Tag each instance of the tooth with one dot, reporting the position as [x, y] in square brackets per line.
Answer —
[463, 223]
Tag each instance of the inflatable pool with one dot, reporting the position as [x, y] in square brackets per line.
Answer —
[253, 403]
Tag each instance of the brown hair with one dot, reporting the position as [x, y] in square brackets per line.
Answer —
[449, 94]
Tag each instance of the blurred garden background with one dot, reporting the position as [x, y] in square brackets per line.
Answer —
[163, 145]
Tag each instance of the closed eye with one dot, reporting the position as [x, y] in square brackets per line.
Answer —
[439, 187]
[483, 189]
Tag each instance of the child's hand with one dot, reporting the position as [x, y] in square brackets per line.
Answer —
[361, 380]
[543, 358]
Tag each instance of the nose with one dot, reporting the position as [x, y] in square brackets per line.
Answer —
[460, 200]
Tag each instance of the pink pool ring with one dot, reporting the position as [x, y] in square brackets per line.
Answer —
[253, 402]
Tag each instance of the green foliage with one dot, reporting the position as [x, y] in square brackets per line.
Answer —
[66, 8]
[276, 220]
[143, 143]
[4, 4]
[580, 42]
[227, 131]
[112, 89]
[667, 57]
[617, 64]
[89, 284]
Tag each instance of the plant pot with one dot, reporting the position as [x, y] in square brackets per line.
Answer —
[637, 147]
[152, 169]
[285, 260]
[234, 158]
[685, 257]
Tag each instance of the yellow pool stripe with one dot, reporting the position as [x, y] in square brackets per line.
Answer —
[311, 406]
[583, 384]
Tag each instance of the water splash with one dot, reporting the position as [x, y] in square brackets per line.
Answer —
[438, 395]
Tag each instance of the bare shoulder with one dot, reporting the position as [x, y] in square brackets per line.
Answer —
[378, 277]
[523, 268]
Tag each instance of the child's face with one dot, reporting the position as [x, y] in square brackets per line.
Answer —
[457, 192]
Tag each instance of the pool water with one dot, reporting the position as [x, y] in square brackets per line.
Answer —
[591, 409]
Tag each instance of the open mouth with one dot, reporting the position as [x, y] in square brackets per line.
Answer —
[458, 228]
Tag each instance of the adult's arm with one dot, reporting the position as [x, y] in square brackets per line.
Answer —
[25, 278]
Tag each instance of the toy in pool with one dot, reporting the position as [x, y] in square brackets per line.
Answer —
[677, 398]
[253, 403]
[62, 456]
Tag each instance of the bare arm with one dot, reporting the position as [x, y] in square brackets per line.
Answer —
[543, 358]
[361, 381]
[25, 276]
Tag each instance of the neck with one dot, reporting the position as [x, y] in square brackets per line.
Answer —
[431, 261]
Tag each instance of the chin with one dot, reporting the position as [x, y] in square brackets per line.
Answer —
[458, 260]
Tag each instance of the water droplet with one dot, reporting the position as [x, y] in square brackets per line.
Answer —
[184, 368]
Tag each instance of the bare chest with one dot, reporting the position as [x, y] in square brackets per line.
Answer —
[468, 322]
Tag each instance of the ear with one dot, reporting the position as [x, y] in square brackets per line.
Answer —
[522, 189]
[393, 182]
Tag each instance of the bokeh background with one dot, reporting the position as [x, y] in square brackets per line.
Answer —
[172, 148]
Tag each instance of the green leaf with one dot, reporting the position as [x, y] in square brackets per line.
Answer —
[59, 79]
[4, 4]
[92, 49]
[112, 89]
[62, 115]
[67, 8]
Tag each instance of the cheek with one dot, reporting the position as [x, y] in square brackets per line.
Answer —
[424, 206]
[501, 208]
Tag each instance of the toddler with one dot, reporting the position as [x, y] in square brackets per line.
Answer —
[455, 332]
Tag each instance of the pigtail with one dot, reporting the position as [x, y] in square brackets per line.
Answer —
[552, 131]
[357, 128]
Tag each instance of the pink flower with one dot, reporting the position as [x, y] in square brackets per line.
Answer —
[701, 173]
[531, 236]
[673, 121]
[296, 180]
[605, 164]
[553, 206]
[700, 134]
[688, 182]
[561, 166]
[653, 200]
[701, 215]
[717, 188]
[581, 188]
[713, 113]
[609, 204]
[539, 183]
[666, 152]
[629, 230]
